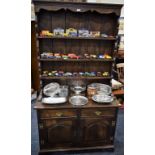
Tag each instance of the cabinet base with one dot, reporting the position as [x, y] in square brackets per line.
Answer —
[48, 151]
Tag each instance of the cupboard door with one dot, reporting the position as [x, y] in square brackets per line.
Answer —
[57, 132]
[96, 131]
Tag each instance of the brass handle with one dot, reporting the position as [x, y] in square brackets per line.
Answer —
[98, 113]
[113, 123]
[59, 114]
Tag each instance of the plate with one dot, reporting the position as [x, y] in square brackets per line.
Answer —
[102, 98]
[78, 100]
[54, 100]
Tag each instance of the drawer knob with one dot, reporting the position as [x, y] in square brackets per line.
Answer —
[59, 114]
[98, 113]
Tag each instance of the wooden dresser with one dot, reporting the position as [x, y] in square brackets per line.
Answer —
[66, 127]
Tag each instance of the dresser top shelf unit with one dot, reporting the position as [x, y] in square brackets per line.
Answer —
[89, 16]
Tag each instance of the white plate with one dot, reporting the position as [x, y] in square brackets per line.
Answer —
[54, 100]
[102, 98]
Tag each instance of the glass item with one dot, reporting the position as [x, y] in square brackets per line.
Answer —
[78, 100]
[77, 86]
[78, 89]
[51, 89]
[102, 98]
[63, 91]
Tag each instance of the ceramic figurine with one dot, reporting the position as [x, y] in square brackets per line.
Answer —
[100, 56]
[92, 74]
[64, 56]
[44, 55]
[67, 74]
[45, 73]
[94, 33]
[57, 55]
[71, 32]
[46, 33]
[104, 35]
[54, 73]
[86, 56]
[65, 34]
[93, 56]
[106, 56]
[99, 74]
[81, 73]
[73, 56]
[105, 74]
[49, 74]
[50, 55]
[86, 74]
[83, 33]
[58, 32]
[75, 74]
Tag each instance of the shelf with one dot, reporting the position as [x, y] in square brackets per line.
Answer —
[77, 60]
[78, 38]
[88, 78]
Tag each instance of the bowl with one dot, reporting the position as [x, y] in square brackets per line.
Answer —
[100, 98]
[105, 89]
[78, 100]
[78, 89]
[51, 89]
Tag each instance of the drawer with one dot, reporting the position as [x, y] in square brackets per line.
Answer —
[97, 112]
[57, 113]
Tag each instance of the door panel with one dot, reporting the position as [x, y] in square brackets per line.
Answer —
[96, 131]
[58, 132]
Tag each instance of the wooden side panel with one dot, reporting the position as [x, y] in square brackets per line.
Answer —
[35, 81]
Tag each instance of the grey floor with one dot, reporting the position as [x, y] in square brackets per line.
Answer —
[119, 138]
